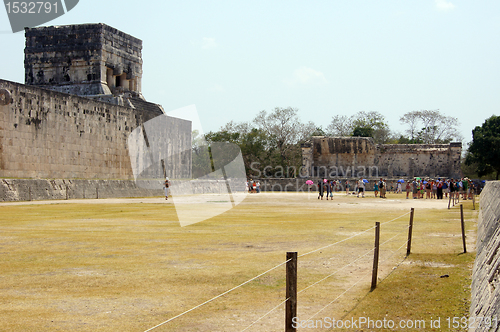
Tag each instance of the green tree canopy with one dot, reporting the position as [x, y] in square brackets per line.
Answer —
[484, 150]
[363, 132]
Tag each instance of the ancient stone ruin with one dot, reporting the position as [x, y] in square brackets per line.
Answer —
[351, 157]
[81, 101]
[84, 60]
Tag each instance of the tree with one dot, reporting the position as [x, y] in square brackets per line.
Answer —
[484, 151]
[364, 124]
[431, 127]
[254, 148]
[200, 157]
[363, 132]
[284, 130]
[222, 136]
[376, 121]
[318, 131]
[340, 126]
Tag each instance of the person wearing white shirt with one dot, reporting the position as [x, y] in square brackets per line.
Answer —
[361, 188]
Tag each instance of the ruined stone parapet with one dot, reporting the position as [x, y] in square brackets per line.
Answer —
[85, 59]
[348, 156]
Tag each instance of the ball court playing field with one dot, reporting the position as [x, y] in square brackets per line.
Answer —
[127, 264]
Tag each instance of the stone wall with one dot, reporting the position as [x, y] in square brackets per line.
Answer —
[485, 292]
[299, 184]
[360, 156]
[85, 59]
[48, 134]
[40, 189]
[37, 189]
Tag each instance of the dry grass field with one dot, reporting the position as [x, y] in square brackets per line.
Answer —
[127, 265]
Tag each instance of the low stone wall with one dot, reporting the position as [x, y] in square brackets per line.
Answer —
[39, 189]
[299, 184]
[485, 293]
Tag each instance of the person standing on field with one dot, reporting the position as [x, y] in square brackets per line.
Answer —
[166, 187]
[361, 188]
[327, 188]
[439, 189]
[381, 185]
[320, 189]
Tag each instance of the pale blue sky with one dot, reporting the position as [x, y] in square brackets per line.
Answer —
[233, 59]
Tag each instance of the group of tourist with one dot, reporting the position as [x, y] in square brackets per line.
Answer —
[252, 186]
[328, 187]
[418, 188]
[439, 188]
[428, 188]
[359, 187]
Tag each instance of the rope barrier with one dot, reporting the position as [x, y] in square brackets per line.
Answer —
[275, 267]
[216, 297]
[310, 252]
[363, 276]
[395, 251]
[265, 314]
[327, 246]
[366, 274]
[317, 282]
[397, 234]
[395, 218]
[392, 254]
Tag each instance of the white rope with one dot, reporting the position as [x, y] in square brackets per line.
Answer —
[395, 251]
[397, 234]
[199, 305]
[360, 277]
[317, 282]
[246, 282]
[395, 218]
[266, 314]
[363, 276]
[310, 252]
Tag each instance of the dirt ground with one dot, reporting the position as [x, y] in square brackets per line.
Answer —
[126, 264]
[394, 201]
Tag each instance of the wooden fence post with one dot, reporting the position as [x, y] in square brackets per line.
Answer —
[291, 291]
[29, 193]
[463, 226]
[96, 192]
[410, 231]
[67, 196]
[375, 255]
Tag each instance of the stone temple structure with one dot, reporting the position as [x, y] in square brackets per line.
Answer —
[81, 100]
[87, 59]
[351, 157]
